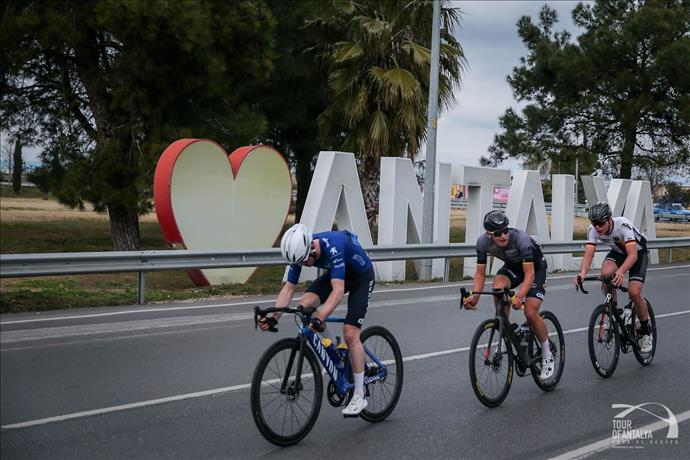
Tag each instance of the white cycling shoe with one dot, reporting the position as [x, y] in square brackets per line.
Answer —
[548, 366]
[357, 405]
[645, 343]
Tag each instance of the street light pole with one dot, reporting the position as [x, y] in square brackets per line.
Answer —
[432, 122]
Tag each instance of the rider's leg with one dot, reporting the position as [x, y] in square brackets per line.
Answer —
[500, 282]
[316, 294]
[536, 322]
[360, 290]
[635, 293]
[608, 268]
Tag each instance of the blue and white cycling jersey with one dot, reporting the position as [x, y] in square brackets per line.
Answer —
[341, 253]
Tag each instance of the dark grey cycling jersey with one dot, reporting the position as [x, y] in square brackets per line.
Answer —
[521, 248]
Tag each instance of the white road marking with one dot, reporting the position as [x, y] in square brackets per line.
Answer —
[199, 394]
[607, 443]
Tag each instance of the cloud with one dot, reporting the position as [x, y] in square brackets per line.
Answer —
[488, 35]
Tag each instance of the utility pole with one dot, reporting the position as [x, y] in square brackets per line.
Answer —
[432, 122]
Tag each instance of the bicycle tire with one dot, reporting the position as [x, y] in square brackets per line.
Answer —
[645, 359]
[499, 362]
[557, 343]
[269, 372]
[603, 336]
[382, 395]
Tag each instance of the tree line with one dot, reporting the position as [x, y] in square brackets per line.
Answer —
[103, 87]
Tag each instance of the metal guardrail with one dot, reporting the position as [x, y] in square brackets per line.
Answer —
[80, 263]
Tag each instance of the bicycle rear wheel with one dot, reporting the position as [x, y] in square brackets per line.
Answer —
[382, 394]
[557, 344]
[645, 359]
[603, 341]
[285, 414]
[491, 364]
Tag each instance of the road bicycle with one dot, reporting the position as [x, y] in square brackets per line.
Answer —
[287, 386]
[612, 330]
[497, 344]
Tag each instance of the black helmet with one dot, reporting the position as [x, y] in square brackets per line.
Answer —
[599, 212]
[495, 220]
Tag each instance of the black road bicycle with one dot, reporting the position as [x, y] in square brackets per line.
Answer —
[287, 386]
[497, 344]
[612, 330]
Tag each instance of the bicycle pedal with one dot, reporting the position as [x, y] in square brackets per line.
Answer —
[351, 416]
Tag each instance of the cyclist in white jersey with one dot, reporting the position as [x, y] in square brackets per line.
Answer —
[628, 254]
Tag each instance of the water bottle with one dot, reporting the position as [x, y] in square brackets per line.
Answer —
[330, 349]
[341, 349]
[524, 333]
[627, 315]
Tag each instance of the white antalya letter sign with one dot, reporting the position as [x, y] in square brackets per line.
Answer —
[479, 184]
[400, 213]
[335, 195]
[562, 218]
[526, 210]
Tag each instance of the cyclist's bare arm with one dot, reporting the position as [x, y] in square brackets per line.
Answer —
[334, 298]
[587, 258]
[284, 297]
[478, 284]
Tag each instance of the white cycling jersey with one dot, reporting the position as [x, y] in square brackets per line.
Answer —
[623, 231]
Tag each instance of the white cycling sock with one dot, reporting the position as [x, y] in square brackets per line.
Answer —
[359, 383]
[546, 350]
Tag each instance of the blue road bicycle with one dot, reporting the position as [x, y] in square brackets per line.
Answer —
[287, 386]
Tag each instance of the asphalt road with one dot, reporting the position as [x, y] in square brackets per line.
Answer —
[172, 381]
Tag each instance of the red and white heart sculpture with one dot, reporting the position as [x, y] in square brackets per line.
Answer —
[208, 200]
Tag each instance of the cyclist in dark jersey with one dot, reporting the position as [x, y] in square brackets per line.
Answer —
[348, 269]
[628, 254]
[525, 266]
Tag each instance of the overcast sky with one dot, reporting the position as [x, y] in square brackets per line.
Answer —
[492, 47]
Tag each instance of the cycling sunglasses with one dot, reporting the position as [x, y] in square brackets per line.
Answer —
[498, 233]
[599, 223]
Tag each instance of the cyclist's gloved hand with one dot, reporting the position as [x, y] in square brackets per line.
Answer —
[578, 279]
[316, 324]
[471, 301]
[518, 302]
[268, 324]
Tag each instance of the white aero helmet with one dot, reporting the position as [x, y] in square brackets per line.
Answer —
[296, 243]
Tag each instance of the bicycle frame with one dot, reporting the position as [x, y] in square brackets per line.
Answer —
[339, 375]
[610, 307]
[500, 316]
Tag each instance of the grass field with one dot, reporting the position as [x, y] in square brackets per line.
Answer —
[31, 224]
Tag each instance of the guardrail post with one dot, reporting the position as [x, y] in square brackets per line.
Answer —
[140, 289]
[446, 269]
[670, 255]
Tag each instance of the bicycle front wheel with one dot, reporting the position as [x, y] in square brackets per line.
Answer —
[557, 344]
[491, 364]
[604, 341]
[645, 359]
[284, 406]
[382, 394]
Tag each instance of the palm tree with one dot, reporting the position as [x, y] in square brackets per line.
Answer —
[377, 55]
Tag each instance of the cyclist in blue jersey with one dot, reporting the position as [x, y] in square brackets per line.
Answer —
[524, 268]
[348, 269]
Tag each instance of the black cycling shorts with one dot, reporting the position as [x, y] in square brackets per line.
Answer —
[638, 272]
[360, 287]
[516, 275]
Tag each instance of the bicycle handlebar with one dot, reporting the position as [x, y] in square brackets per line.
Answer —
[505, 291]
[606, 280]
[300, 310]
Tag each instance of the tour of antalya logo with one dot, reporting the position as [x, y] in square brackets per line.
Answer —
[626, 435]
